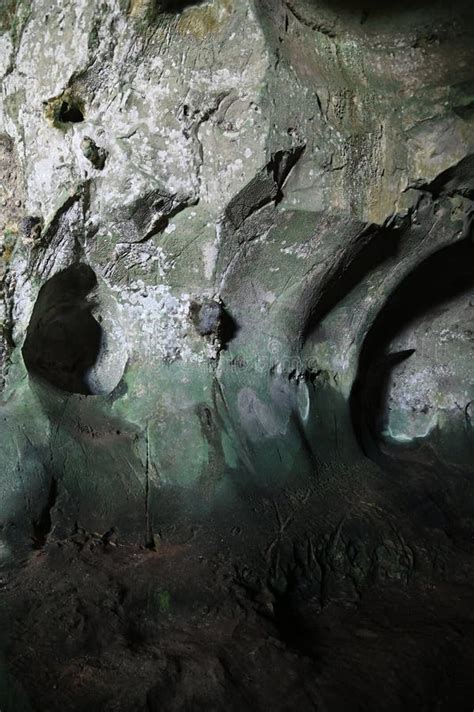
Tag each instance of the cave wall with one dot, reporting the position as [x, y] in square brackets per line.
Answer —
[212, 214]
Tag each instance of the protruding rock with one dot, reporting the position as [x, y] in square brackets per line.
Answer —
[31, 228]
[95, 154]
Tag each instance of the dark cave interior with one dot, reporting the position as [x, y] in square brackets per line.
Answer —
[64, 339]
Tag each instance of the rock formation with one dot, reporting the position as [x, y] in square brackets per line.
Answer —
[237, 282]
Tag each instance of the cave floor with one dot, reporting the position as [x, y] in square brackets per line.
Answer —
[100, 626]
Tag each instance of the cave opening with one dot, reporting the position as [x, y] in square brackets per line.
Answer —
[428, 290]
[63, 340]
[178, 5]
[70, 113]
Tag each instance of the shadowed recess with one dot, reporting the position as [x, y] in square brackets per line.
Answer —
[362, 10]
[375, 248]
[63, 339]
[442, 277]
[69, 113]
[177, 5]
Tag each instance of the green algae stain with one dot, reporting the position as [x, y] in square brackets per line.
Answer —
[164, 601]
[230, 450]
[13, 17]
[160, 601]
[7, 15]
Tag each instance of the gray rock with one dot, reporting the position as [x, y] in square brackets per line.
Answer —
[298, 162]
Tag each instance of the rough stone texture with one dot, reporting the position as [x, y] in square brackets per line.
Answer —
[274, 202]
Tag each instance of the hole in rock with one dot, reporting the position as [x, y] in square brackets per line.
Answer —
[428, 308]
[63, 340]
[177, 5]
[70, 113]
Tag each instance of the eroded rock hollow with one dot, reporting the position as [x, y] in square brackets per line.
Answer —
[236, 355]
